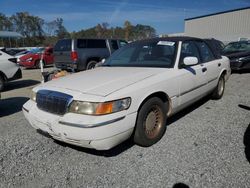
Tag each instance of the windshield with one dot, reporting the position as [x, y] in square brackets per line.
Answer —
[237, 47]
[144, 54]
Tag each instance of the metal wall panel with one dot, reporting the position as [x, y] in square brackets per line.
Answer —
[229, 26]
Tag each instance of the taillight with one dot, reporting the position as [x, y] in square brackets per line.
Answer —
[74, 56]
[14, 60]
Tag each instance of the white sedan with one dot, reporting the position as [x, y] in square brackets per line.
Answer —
[131, 95]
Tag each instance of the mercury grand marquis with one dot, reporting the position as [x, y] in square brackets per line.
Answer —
[131, 95]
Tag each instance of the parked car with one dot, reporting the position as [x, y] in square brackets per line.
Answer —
[82, 54]
[131, 95]
[9, 70]
[32, 60]
[239, 55]
[20, 54]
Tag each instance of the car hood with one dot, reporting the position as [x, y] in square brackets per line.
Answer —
[103, 81]
[237, 54]
[27, 56]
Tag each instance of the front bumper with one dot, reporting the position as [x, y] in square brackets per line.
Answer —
[97, 132]
[238, 65]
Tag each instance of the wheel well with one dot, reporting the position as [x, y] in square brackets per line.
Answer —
[97, 59]
[161, 95]
[3, 76]
[224, 73]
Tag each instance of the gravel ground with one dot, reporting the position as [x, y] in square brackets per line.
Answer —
[207, 145]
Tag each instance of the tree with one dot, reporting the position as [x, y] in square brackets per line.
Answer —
[61, 31]
[5, 23]
[128, 29]
[51, 28]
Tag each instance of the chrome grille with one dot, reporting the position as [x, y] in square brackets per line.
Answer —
[53, 101]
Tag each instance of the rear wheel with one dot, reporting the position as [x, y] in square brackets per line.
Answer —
[151, 122]
[91, 65]
[1, 83]
[220, 88]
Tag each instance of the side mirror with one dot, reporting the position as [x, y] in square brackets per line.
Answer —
[189, 61]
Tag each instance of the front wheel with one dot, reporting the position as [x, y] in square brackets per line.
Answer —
[220, 88]
[151, 122]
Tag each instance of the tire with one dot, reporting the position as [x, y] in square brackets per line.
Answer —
[1, 83]
[91, 65]
[151, 122]
[220, 88]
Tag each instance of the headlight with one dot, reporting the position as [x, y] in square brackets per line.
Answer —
[29, 59]
[93, 108]
[33, 96]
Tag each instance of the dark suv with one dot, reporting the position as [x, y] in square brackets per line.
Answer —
[82, 54]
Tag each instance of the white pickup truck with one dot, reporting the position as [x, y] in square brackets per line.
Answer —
[131, 95]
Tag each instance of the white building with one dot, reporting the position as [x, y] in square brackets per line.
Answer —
[226, 26]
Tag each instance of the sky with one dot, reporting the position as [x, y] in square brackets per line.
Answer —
[166, 16]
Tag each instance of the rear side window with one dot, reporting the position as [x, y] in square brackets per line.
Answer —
[205, 52]
[63, 45]
[81, 43]
[96, 43]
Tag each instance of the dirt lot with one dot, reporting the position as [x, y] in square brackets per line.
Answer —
[207, 145]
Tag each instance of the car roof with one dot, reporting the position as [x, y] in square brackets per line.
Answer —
[173, 39]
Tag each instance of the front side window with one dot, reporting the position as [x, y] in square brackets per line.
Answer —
[205, 52]
[144, 54]
[188, 49]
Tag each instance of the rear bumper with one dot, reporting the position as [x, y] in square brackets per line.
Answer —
[17, 75]
[65, 66]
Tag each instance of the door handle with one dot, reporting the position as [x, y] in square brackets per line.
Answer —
[219, 64]
[204, 69]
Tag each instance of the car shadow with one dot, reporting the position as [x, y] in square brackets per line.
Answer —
[246, 141]
[180, 185]
[105, 153]
[240, 71]
[188, 110]
[20, 84]
[11, 105]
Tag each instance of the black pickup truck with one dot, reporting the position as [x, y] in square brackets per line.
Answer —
[83, 54]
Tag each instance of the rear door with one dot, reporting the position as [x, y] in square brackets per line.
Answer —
[212, 64]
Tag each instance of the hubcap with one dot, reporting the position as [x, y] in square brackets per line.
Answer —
[153, 122]
[221, 86]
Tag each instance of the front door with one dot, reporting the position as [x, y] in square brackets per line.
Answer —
[193, 79]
